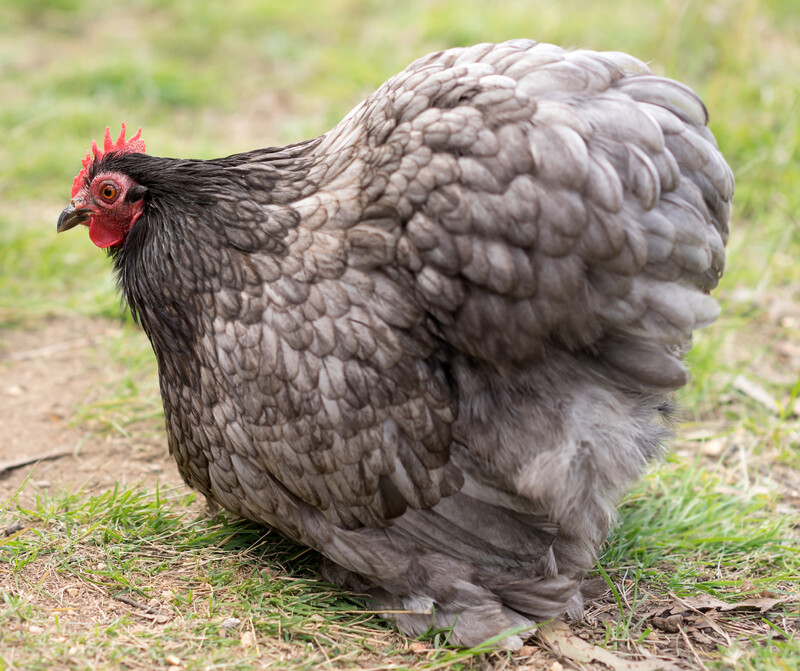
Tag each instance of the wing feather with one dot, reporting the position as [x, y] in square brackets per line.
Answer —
[496, 201]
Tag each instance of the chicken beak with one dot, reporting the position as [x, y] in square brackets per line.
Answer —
[71, 217]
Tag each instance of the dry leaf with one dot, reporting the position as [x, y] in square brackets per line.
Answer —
[694, 614]
[700, 637]
[248, 639]
[708, 602]
[701, 602]
[763, 604]
[559, 638]
[703, 621]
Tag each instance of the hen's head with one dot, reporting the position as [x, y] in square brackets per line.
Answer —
[108, 202]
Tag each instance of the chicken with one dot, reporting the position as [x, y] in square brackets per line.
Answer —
[437, 343]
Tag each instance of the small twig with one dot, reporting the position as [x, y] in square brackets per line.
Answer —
[712, 625]
[138, 605]
[691, 648]
[743, 464]
[8, 466]
[50, 350]
[757, 393]
[255, 638]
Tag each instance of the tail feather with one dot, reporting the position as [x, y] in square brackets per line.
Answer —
[475, 569]
[513, 545]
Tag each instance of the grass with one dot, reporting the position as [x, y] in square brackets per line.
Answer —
[718, 518]
[193, 587]
[149, 559]
[202, 581]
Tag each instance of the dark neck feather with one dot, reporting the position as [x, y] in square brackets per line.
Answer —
[197, 216]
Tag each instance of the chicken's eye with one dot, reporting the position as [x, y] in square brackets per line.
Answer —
[108, 192]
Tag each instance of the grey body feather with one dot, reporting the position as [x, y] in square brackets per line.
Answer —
[437, 343]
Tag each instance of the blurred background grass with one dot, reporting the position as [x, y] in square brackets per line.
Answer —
[206, 79]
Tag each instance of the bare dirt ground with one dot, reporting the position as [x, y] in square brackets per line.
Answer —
[45, 373]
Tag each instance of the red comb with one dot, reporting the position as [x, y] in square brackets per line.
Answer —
[135, 144]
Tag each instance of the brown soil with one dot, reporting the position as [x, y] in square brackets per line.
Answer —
[46, 373]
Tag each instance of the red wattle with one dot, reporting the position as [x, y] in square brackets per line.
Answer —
[104, 236]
